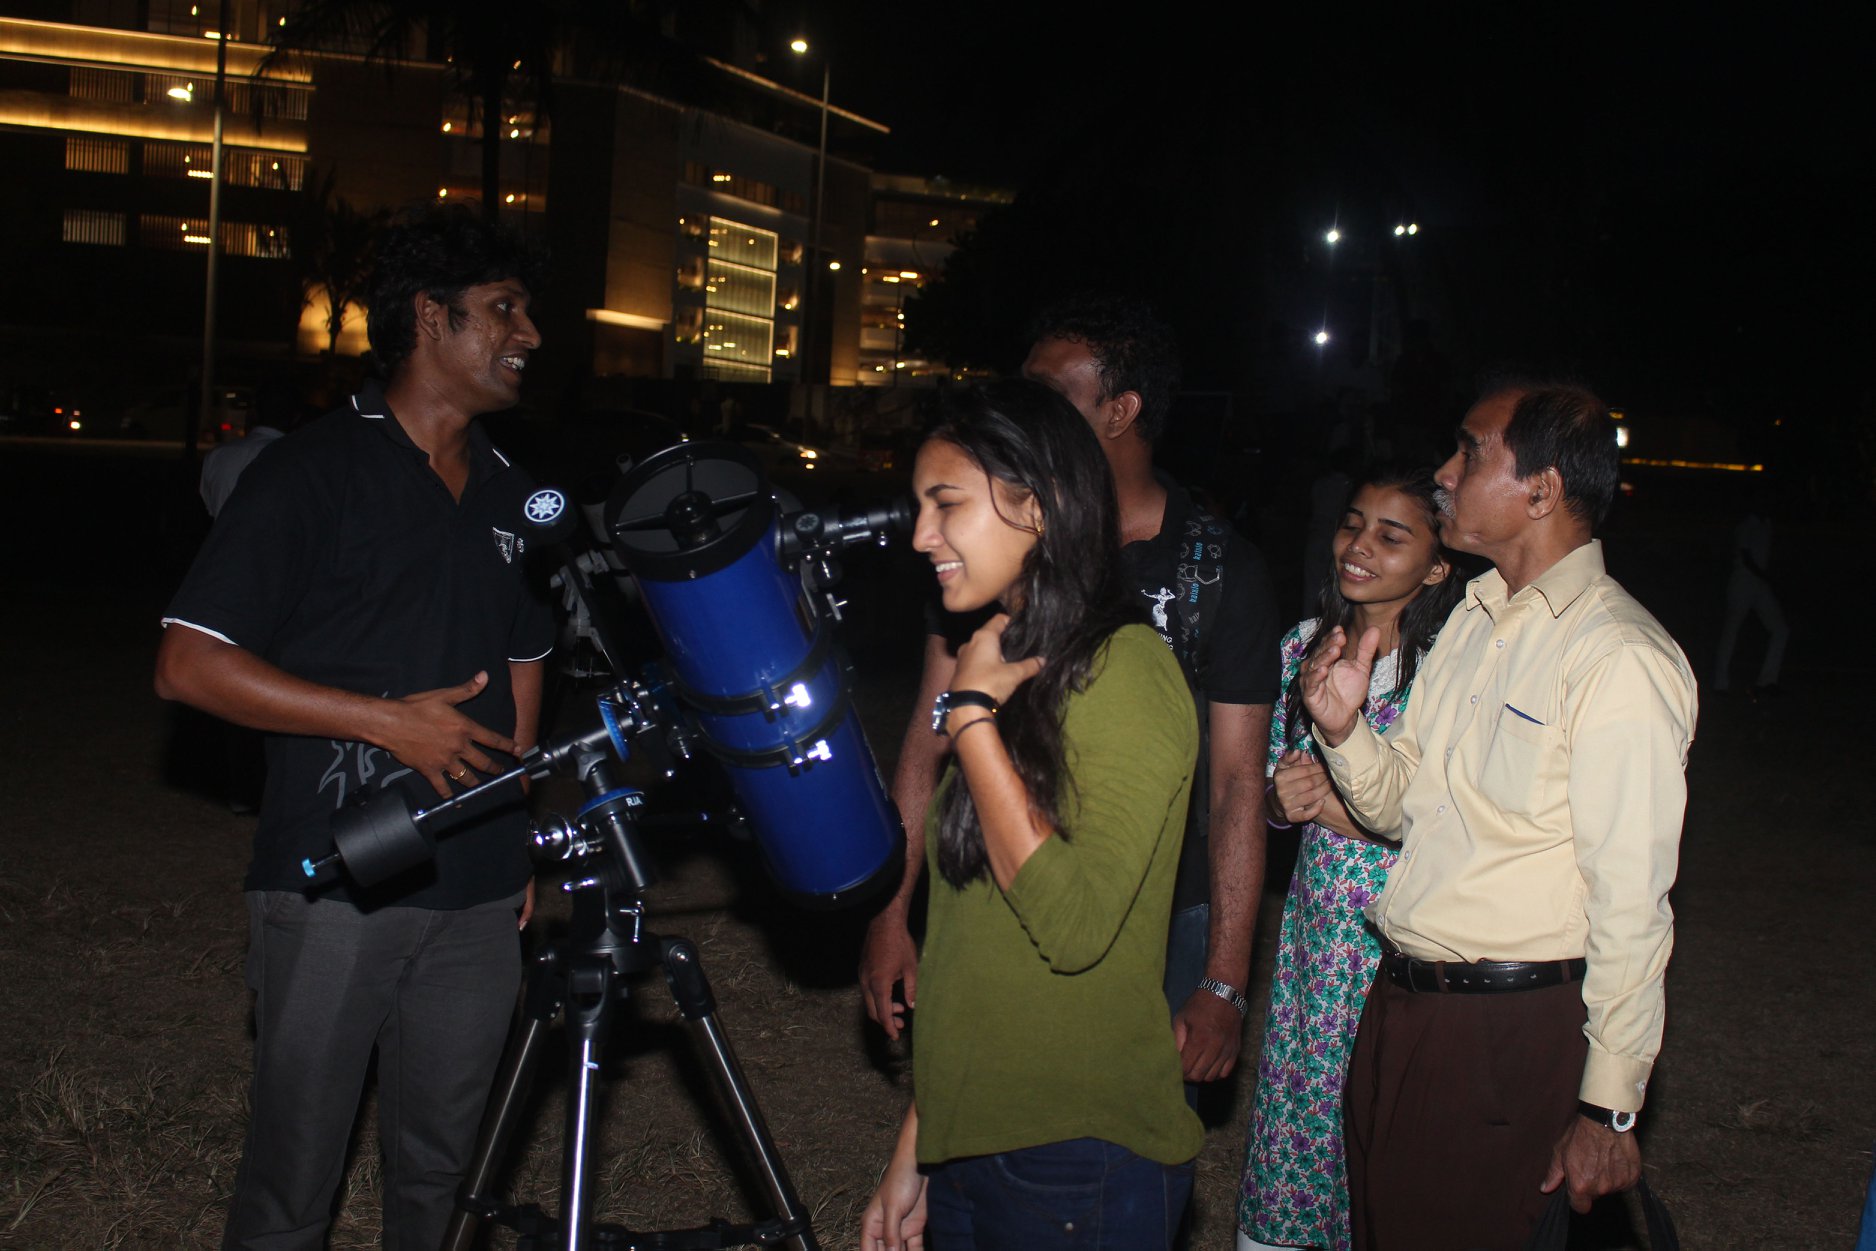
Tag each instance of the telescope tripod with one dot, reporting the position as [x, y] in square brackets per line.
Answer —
[587, 978]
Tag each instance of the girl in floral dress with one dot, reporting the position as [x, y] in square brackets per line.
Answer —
[1389, 572]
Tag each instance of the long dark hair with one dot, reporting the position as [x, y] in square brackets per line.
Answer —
[1070, 593]
[1420, 620]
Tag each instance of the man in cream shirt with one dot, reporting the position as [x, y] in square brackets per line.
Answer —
[1537, 784]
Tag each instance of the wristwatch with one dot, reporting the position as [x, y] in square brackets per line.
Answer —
[1608, 1118]
[1230, 994]
[949, 701]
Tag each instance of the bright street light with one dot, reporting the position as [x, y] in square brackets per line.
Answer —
[799, 46]
[1322, 338]
[1334, 236]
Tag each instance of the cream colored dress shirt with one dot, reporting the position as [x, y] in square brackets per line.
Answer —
[1537, 782]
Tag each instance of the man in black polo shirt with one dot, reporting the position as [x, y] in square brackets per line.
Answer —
[1207, 592]
[361, 599]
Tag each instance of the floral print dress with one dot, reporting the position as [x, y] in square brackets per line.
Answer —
[1295, 1190]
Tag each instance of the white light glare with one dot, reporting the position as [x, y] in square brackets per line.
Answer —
[1399, 231]
[1621, 436]
[797, 45]
[1322, 338]
[1334, 236]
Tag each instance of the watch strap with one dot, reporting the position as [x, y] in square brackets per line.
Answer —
[949, 701]
[1227, 992]
[1608, 1118]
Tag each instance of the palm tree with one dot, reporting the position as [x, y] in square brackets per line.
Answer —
[331, 247]
[497, 51]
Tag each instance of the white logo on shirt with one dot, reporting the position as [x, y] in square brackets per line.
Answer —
[1159, 608]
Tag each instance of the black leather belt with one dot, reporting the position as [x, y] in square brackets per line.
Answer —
[1487, 977]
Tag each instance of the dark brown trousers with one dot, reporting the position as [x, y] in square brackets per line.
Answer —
[1454, 1103]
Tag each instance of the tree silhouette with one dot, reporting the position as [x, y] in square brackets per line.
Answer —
[331, 245]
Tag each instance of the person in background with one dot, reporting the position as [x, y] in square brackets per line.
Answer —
[1749, 592]
[1385, 571]
[1536, 783]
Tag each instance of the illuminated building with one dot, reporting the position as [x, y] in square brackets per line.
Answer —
[915, 225]
[677, 233]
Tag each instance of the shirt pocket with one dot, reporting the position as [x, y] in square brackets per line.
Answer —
[1519, 770]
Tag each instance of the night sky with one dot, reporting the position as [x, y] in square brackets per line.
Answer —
[1675, 205]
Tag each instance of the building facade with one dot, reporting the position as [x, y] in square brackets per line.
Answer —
[679, 233]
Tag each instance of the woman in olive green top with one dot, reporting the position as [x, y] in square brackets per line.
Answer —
[1048, 1104]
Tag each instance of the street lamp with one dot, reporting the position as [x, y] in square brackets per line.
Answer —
[186, 95]
[1322, 338]
[811, 305]
[1333, 237]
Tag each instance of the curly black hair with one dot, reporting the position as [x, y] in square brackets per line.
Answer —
[441, 250]
[1133, 347]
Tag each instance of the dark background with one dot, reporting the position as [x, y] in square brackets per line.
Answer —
[1668, 199]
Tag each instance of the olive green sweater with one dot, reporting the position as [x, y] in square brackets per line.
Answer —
[1040, 1013]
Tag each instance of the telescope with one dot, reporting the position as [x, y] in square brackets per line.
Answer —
[741, 597]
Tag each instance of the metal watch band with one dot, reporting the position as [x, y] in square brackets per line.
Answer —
[947, 701]
[1230, 994]
[1608, 1118]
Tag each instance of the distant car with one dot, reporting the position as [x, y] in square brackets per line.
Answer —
[166, 414]
[778, 453]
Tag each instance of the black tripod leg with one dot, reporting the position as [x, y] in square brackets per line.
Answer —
[691, 989]
[546, 988]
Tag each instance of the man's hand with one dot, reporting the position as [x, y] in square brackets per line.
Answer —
[1594, 1161]
[1208, 1032]
[1336, 686]
[427, 733]
[888, 956]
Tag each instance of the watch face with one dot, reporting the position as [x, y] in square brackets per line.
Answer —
[1622, 1122]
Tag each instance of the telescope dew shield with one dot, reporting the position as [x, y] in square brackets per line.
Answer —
[758, 670]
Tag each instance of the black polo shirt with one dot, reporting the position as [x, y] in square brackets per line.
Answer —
[343, 559]
[1230, 658]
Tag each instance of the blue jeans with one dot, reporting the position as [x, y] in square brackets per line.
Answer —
[1083, 1193]
[1866, 1238]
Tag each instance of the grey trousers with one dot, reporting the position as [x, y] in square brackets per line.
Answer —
[433, 992]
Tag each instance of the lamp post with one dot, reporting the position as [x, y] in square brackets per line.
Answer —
[811, 303]
[207, 413]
